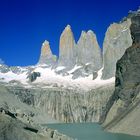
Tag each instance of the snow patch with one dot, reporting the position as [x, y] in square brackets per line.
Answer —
[60, 68]
[49, 78]
[74, 69]
[9, 76]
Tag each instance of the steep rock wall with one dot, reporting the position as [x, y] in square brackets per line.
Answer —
[125, 102]
[117, 40]
[67, 105]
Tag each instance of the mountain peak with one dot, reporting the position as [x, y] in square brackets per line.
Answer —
[68, 27]
[45, 50]
[46, 56]
[66, 47]
[67, 31]
[83, 34]
[45, 43]
[90, 32]
[88, 50]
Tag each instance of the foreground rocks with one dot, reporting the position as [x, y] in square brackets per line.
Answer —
[13, 129]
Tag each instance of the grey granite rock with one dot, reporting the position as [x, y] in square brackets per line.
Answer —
[67, 56]
[117, 40]
[123, 110]
[46, 56]
[66, 105]
[123, 106]
[135, 27]
[17, 117]
[88, 50]
[127, 71]
[126, 97]
[14, 129]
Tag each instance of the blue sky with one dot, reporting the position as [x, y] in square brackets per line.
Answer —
[25, 24]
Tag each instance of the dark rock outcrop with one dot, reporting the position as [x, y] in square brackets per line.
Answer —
[126, 97]
[135, 27]
[33, 76]
[128, 75]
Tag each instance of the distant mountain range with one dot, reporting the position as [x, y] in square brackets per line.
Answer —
[83, 59]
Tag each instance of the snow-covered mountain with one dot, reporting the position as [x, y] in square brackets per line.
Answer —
[79, 65]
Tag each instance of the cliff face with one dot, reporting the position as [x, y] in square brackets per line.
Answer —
[66, 105]
[117, 40]
[67, 48]
[85, 53]
[88, 50]
[123, 115]
[46, 56]
[126, 98]
[135, 26]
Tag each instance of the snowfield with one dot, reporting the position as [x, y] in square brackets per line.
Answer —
[50, 78]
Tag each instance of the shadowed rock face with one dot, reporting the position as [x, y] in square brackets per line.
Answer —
[33, 76]
[135, 27]
[128, 75]
[88, 50]
[46, 56]
[126, 98]
[67, 48]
